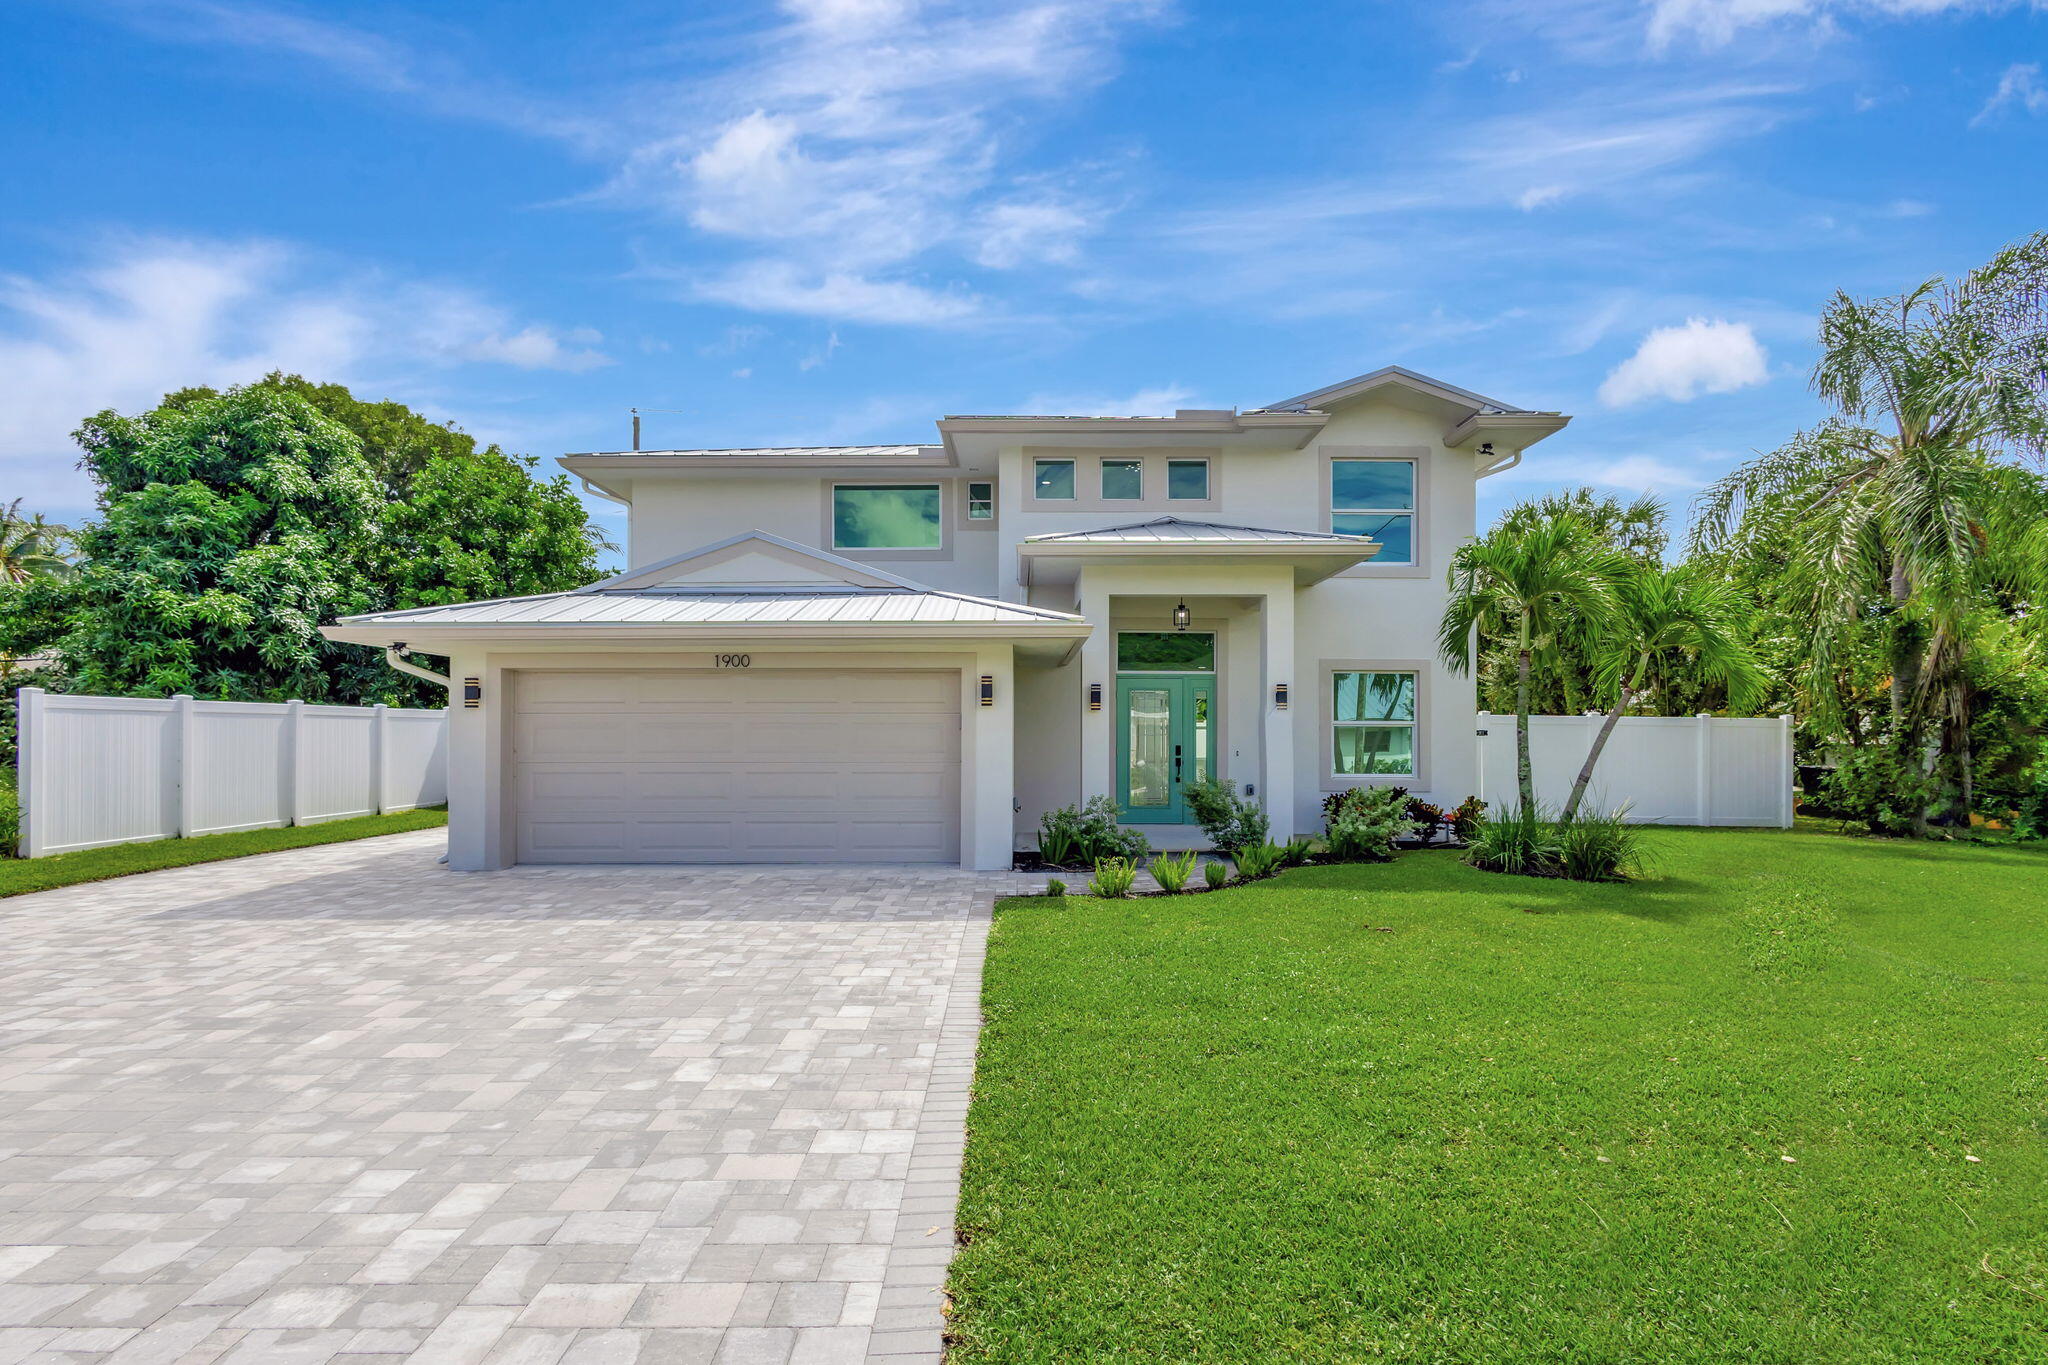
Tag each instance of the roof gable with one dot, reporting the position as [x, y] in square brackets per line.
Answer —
[1397, 377]
[753, 559]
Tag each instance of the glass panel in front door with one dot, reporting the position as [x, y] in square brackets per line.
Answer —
[1198, 712]
[1149, 745]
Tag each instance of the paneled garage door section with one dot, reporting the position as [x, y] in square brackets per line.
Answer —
[742, 766]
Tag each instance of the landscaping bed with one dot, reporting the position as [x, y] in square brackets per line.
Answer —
[1780, 1100]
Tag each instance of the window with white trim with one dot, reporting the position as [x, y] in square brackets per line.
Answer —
[1187, 480]
[1372, 725]
[1123, 480]
[1376, 498]
[1052, 479]
[981, 501]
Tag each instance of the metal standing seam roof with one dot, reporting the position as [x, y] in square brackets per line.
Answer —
[1175, 531]
[726, 607]
[908, 452]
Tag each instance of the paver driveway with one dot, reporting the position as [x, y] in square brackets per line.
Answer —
[339, 1103]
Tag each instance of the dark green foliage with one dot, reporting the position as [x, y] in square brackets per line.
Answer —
[1231, 821]
[234, 524]
[1296, 851]
[1215, 875]
[1467, 816]
[1521, 840]
[1084, 835]
[1364, 823]
[10, 815]
[1876, 786]
[1599, 847]
[1055, 887]
[1529, 841]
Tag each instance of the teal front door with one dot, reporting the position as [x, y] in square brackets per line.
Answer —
[1165, 729]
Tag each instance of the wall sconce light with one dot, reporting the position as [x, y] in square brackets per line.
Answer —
[1181, 616]
[1279, 696]
[472, 693]
[1094, 696]
[988, 689]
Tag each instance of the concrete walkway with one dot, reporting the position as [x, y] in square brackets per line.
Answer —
[341, 1104]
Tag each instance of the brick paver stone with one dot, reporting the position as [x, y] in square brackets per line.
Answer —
[343, 1104]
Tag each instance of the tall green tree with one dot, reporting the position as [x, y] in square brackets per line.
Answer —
[234, 524]
[1529, 587]
[1662, 613]
[1932, 389]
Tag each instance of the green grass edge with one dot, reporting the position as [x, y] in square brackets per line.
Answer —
[20, 877]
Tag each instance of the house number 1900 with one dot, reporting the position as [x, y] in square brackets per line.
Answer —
[732, 661]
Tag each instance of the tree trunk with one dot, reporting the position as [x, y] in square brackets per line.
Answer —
[1524, 778]
[1909, 663]
[1585, 779]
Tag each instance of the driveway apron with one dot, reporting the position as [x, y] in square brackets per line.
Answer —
[342, 1104]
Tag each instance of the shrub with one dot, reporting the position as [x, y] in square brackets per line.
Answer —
[1427, 815]
[1086, 834]
[1114, 878]
[1599, 848]
[10, 815]
[1216, 875]
[1171, 871]
[1232, 822]
[2030, 801]
[1523, 840]
[1256, 861]
[1873, 785]
[1467, 816]
[1365, 822]
[1296, 851]
[1055, 887]
[1787, 930]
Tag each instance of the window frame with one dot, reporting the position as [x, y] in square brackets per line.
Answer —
[969, 521]
[1421, 458]
[830, 535]
[1102, 465]
[1328, 724]
[1208, 473]
[1074, 465]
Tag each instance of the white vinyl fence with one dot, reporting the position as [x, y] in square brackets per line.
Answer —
[1668, 770]
[118, 770]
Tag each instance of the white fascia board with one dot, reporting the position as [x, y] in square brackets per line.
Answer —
[425, 638]
[1519, 429]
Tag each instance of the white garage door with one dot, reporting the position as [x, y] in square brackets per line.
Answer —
[749, 766]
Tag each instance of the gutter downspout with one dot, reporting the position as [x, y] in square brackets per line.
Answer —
[393, 653]
[597, 492]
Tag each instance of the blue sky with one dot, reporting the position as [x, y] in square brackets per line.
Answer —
[834, 220]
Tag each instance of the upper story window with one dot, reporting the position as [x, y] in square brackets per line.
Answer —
[1187, 480]
[893, 516]
[1123, 479]
[1376, 498]
[981, 501]
[1053, 479]
[1373, 725]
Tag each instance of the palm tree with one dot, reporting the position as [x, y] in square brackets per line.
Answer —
[1527, 585]
[30, 547]
[1661, 613]
[1931, 388]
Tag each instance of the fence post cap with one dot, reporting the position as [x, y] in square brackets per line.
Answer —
[181, 696]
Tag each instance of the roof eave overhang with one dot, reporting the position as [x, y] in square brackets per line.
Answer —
[1517, 429]
[1258, 429]
[1313, 561]
[428, 637]
[614, 473]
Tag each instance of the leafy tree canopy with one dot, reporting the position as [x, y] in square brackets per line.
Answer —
[235, 524]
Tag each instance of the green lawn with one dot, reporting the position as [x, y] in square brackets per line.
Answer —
[1417, 1112]
[19, 876]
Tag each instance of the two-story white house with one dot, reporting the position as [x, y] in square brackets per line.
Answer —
[908, 653]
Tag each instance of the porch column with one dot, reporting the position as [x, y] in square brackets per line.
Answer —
[1276, 614]
[985, 838]
[1098, 665]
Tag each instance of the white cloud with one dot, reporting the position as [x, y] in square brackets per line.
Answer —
[1716, 23]
[1158, 401]
[1681, 363]
[864, 137]
[152, 315]
[781, 286]
[1538, 197]
[1642, 474]
[2021, 88]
